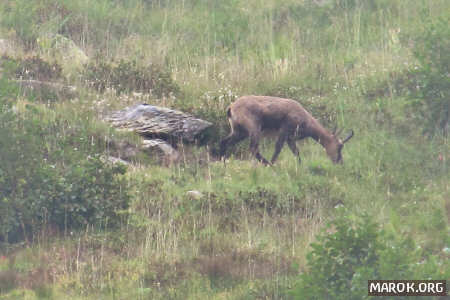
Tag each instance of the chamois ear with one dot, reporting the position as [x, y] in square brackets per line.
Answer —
[348, 137]
[334, 130]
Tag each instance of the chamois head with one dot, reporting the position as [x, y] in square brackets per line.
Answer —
[334, 148]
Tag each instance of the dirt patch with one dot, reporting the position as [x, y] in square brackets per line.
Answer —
[240, 264]
[233, 266]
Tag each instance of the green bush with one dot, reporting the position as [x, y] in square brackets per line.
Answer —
[41, 78]
[130, 76]
[47, 181]
[212, 106]
[433, 77]
[31, 68]
[354, 251]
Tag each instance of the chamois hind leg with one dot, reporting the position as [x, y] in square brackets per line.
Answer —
[279, 145]
[254, 147]
[232, 139]
[292, 145]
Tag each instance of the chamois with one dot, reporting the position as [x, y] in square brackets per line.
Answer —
[252, 116]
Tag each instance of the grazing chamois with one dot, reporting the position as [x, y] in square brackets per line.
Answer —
[252, 116]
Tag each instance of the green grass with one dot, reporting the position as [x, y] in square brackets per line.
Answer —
[248, 235]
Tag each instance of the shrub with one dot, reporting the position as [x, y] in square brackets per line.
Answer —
[44, 181]
[33, 67]
[129, 76]
[41, 79]
[352, 252]
[212, 107]
[433, 76]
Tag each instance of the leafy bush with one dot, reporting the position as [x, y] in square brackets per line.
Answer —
[41, 79]
[45, 180]
[129, 76]
[352, 252]
[33, 67]
[433, 76]
[212, 107]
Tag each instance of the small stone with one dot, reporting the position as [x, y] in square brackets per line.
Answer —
[114, 160]
[196, 195]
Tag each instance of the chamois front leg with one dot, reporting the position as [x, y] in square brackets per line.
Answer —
[254, 148]
[293, 146]
[279, 145]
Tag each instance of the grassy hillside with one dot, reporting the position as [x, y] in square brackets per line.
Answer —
[75, 227]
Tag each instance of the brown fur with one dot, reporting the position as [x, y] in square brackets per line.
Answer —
[253, 116]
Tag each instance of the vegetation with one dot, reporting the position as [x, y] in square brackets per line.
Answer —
[344, 259]
[129, 77]
[74, 225]
[52, 173]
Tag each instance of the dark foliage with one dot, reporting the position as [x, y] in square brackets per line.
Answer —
[130, 76]
[47, 181]
[32, 68]
[433, 77]
[354, 250]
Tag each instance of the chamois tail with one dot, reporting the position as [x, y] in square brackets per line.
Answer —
[229, 112]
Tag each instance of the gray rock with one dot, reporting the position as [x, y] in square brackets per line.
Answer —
[161, 127]
[63, 47]
[321, 2]
[158, 122]
[71, 57]
[122, 149]
[130, 152]
[5, 46]
[196, 195]
[162, 149]
[114, 160]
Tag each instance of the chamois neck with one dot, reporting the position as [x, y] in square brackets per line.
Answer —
[321, 135]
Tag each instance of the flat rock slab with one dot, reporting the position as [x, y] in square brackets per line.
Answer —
[161, 148]
[5, 46]
[161, 127]
[114, 160]
[158, 122]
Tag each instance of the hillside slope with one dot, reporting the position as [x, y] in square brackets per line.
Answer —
[74, 226]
